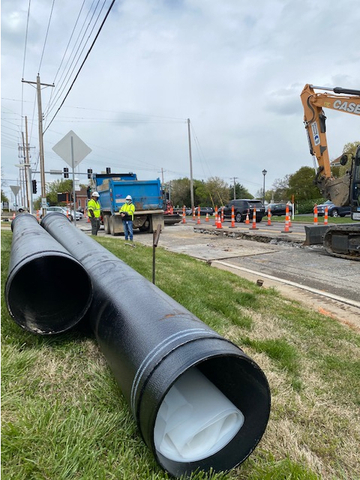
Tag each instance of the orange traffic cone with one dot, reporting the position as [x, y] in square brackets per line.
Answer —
[315, 215]
[198, 219]
[232, 217]
[184, 215]
[253, 226]
[287, 221]
[222, 215]
[247, 221]
[218, 221]
[207, 217]
[269, 216]
[326, 216]
[216, 215]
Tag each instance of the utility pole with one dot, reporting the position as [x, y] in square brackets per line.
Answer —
[235, 188]
[41, 138]
[191, 172]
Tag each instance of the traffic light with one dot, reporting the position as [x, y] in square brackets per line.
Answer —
[108, 170]
[34, 186]
[89, 172]
[66, 172]
[88, 192]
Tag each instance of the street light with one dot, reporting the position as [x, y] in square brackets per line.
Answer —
[264, 172]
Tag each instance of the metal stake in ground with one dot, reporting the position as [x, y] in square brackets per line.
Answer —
[156, 236]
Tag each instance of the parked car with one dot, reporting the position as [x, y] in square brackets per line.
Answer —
[333, 210]
[64, 211]
[203, 211]
[245, 207]
[277, 209]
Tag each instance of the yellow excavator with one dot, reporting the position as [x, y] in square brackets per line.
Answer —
[339, 240]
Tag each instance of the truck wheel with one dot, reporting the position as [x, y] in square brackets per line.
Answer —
[106, 224]
[145, 227]
[335, 213]
[238, 218]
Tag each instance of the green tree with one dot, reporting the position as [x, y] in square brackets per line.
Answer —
[240, 192]
[280, 189]
[59, 186]
[301, 185]
[4, 198]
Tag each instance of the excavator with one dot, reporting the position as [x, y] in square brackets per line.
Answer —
[339, 240]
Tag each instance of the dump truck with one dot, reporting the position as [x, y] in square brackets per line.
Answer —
[147, 198]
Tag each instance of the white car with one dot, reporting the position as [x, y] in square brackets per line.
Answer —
[64, 211]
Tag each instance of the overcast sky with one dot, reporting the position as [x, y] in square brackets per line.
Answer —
[235, 68]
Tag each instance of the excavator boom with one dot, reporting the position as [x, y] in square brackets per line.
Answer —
[342, 241]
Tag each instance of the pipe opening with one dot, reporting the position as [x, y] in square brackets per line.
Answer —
[195, 419]
[212, 416]
[41, 296]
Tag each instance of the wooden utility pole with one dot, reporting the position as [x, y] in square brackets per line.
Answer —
[41, 138]
[191, 172]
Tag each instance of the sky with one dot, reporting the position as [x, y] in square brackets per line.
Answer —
[234, 68]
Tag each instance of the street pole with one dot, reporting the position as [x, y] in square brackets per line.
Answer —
[264, 172]
[73, 172]
[191, 172]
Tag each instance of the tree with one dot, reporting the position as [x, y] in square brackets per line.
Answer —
[4, 198]
[59, 186]
[280, 189]
[240, 192]
[301, 185]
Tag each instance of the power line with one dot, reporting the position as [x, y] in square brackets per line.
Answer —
[46, 35]
[83, 63]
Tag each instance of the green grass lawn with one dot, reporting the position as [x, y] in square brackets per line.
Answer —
[64, 417]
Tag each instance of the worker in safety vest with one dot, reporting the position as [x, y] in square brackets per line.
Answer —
[127, 214]
[94, 210]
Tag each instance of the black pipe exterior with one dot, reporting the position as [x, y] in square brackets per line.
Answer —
[39, 289]
[150, 342]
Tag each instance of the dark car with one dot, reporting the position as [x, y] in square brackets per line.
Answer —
[333, 210]
[277, 209]
[203, 211]
[243, 208]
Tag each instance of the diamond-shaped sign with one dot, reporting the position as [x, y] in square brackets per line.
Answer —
[75, 155]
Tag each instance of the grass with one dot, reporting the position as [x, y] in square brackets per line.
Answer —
[64, 417]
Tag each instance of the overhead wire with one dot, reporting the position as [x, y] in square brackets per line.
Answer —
[83, 63]
[46, 35]
[66, 74]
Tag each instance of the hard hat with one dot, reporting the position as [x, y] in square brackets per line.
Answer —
[129, 197]
[95, 194]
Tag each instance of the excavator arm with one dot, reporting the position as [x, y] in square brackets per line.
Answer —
[344, 100]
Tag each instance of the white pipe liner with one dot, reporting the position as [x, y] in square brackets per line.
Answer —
[195, 419]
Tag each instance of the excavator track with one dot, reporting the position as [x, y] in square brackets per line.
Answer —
[343, 241]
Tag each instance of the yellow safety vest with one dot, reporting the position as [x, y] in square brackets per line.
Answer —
[95, 207]
[128, 208]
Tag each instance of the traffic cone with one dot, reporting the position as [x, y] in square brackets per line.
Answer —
[38, 215]
[247, 221]
[232, 217]
[218, 222]
[216, 215]
[222, 215]
[287, 220]
[184, 215]
[198, 219]
[269, 216]
[315, 215]
[326, 216]
[253, 226]
[207, 217]
[13, 217]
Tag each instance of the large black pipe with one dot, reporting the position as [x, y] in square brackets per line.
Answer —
[47, 291]
[199, 401]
